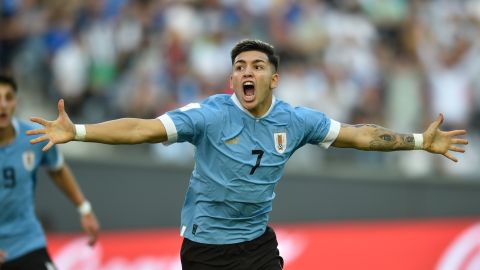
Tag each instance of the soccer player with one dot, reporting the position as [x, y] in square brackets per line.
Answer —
[22, 240]
[242, 144]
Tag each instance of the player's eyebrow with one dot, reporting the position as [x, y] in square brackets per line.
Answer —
[241, 61]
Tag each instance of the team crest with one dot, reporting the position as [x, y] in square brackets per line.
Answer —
[28, 160]
[280, 141]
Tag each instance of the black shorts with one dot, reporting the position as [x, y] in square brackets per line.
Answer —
[259, 254]
[37, 259]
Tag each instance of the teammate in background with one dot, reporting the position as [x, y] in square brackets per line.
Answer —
[242, 144]
[22, 240]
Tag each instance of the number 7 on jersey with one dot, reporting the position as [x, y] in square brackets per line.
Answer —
[259, 158]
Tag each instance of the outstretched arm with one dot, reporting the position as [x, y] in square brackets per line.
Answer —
[375, 138]
[65, 181]
[119, 131]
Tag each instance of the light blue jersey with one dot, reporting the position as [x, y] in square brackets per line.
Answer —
[239, 160]
[20, 231]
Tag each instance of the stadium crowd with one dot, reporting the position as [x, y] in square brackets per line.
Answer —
[397, 63]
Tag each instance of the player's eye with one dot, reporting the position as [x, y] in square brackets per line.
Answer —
[9, 97]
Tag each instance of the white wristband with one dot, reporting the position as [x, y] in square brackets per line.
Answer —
[85, 208]
[418, 138]
[80, 132]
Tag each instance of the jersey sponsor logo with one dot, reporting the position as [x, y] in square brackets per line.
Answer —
[28, 158]
[280, 141]
[235, 140]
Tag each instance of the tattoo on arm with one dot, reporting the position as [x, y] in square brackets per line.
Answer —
[383, 139]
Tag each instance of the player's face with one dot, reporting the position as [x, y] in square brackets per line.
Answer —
[253, 79]
[8, 102]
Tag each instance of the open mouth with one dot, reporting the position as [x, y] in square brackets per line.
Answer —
[248, 91]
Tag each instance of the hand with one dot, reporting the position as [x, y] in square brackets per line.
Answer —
[61, 130]
[91, 227]
[3, 255]
[441, 142]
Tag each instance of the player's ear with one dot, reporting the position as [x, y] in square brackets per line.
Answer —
[231, 82]
[274, 80]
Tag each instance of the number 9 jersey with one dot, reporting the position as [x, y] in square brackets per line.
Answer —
[20, 231]
[239, 159]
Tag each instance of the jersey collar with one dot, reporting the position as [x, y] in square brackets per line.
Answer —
[16, 125]
[239, 105]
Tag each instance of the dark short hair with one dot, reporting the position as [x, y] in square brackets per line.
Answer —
[256, 45]
[8, 80]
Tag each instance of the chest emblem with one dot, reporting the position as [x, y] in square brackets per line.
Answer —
[28, 158]
[280, 141]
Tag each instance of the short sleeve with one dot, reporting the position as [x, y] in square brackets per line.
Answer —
[186, 124]
[52, 159]
[319, 129]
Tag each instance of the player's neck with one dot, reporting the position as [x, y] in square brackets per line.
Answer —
[263, 108]
[7, 134]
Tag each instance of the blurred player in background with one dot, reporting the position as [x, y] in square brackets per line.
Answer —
[242, 144]
[22, 240]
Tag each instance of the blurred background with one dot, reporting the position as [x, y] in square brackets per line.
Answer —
[396, 63]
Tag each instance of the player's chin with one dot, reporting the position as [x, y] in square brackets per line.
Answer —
[249, 104]
[4, 122]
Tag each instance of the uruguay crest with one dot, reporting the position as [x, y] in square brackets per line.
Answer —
[28, 160]
[280, 141]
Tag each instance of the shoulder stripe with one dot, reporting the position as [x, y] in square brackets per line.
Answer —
[331, 135]
[190, 106]
[170, 128]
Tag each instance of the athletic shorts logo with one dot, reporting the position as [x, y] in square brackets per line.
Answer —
[28, 160]
[280, 141]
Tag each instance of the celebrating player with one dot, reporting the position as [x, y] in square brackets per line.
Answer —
[242, 144]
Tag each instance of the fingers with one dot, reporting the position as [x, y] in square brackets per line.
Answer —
[456, 149]
[450, 156]
[61, 106]
[454, 133]
[92, 237]
[39, 120]
[438, 121]
[459, 141]
[48, 146]
[39, 139]
[92, 231]
[92, 240]
[35, 131]
[91, 227]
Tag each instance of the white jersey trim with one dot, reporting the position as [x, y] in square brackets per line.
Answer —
[331, 135]
[16, 126]
[170, 128]
[60, 162]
